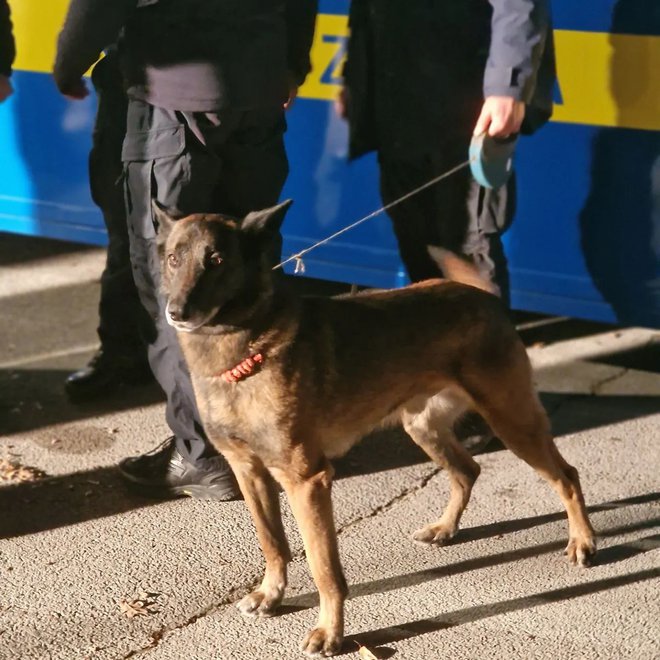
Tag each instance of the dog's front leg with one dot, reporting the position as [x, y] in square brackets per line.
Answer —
[309, 496]
[262, 499]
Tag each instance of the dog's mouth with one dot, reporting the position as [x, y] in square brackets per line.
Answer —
[190, 325]
[229, 314]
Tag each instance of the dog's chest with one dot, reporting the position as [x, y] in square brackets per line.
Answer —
[242, 411]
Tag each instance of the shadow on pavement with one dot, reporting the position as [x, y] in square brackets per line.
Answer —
[34, 398]
[605, 556]
[31, 507]
[470, 614]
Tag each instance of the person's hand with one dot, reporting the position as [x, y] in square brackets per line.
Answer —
[500, 116]
[341, 103]
[293, 93]
[74, 91]
[6, 89]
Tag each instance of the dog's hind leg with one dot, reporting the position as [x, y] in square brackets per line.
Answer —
[431, 427]
[308, 490]
[517, 417]
[261, 496]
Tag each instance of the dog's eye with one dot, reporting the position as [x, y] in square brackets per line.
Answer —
[173, 260]
[215, 259]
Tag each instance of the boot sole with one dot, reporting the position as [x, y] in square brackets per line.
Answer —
[217, 492]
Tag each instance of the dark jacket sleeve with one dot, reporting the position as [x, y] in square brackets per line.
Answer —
[7, 44]
[90, 27]
[300, 23]
[519, 32]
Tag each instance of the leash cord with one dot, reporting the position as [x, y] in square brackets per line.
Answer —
[300, 266]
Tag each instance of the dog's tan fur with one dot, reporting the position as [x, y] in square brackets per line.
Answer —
[334, 369]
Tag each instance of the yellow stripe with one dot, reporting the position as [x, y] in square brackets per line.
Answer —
[323, 54]
[605, 79]
[608, 79]
[36, 25]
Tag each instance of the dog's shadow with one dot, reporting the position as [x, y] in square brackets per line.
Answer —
[386, 449]
[376, 639]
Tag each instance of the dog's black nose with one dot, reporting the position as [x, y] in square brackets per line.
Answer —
[175, 312]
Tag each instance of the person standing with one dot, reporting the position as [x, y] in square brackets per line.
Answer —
[208, 82]
[7, 51]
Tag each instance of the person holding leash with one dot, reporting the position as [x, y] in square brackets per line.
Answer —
[7, 51]
[208, 82]
[420, 79]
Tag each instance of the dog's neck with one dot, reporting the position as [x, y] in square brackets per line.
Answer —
[220, 348]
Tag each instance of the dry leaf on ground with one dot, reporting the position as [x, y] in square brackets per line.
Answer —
[365, 653]
[141, 606]
[13, 472]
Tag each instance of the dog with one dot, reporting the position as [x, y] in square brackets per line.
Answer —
[286, 383]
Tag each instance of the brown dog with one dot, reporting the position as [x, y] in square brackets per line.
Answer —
[284, 384]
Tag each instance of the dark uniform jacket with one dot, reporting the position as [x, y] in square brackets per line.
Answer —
[195, 55]
[418, 71]
[7, 45]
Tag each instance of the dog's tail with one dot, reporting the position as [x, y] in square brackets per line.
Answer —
[460, 270]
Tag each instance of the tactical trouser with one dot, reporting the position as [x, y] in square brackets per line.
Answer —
[455, 213]
[231, 162]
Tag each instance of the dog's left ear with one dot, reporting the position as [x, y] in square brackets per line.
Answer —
[266, 220]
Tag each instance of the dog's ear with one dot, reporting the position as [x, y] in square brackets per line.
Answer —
[267, 220]
[163, 219]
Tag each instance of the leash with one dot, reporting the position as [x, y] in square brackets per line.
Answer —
[298, 257]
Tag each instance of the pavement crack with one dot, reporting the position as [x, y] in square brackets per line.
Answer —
[555, 408]
[596, 387]
[157, 636]
[392, 502]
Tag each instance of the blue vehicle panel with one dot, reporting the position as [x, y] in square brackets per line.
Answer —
[585, 241]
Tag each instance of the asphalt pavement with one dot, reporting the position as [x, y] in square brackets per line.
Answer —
[89, 570]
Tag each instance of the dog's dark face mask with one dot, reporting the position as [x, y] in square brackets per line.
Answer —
[217, 271]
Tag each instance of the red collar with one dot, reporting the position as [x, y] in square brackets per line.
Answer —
[242, 369]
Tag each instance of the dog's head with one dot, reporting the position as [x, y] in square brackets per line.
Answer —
[217, 271]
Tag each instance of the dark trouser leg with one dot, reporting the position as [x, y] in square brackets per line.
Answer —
[165, 356]
[190, 162]
[122, 319]
[435, 216]
[455, 213]
[490, 214]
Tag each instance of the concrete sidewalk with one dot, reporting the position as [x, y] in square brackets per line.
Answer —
[75, 544]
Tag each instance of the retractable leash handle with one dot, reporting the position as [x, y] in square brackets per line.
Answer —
[491, 159]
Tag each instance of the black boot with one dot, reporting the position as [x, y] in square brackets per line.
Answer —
[104, 373]
[165, 473]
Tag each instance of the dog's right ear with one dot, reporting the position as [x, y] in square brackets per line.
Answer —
[266, 220]
[163, 219]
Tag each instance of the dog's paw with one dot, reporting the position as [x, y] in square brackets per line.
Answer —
[322, 642]
[581, 551]
[258, 603]
[437, 534]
